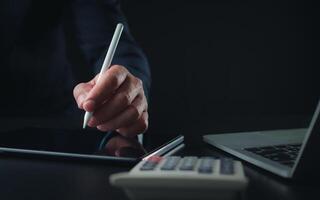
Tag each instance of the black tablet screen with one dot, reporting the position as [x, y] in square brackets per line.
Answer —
[84, 142]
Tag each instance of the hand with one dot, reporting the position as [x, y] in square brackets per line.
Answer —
[117, 101]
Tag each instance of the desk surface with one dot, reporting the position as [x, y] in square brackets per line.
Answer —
[26, 178]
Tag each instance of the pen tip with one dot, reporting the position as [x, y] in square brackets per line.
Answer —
[85, 121]
[87, 116]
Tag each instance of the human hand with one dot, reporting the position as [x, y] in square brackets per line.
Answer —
[117, 101]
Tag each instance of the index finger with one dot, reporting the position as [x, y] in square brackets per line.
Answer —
[109, 81]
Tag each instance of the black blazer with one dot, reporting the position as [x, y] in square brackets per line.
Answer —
[47, 47]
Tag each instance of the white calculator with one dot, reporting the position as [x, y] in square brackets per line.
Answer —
[189, 177]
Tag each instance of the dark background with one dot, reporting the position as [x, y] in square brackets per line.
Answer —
[228, 65]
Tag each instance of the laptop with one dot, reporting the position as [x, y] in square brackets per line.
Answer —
[289, 153]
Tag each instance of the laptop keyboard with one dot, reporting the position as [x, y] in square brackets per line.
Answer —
[283, 154]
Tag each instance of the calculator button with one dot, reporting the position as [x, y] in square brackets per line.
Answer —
[206, 165]
[226, 166]
[151, 163]
[170, 163]
[148, 165]
[188, 163]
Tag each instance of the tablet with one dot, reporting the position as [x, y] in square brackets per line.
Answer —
[86, 144]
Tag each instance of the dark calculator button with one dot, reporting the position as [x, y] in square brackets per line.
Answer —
[170, 163]
[188, 163]
[148, 165]
[206, 165]
[226, 166]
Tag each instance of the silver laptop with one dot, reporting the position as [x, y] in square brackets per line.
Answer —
[292, 153]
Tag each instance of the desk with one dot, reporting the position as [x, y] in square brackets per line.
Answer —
[23, 178]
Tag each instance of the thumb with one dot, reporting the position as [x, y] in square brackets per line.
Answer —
[80, 93]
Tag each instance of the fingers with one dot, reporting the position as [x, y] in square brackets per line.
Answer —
[107, 84]
[117, 101]
[140, 126]
[129, 116]
[130, 92]
[137, 128]
[80, 93]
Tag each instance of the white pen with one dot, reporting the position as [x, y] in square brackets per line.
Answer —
[106, 63]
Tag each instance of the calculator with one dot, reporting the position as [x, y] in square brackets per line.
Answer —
[188, 177]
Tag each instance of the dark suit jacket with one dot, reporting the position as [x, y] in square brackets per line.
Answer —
[47, 47]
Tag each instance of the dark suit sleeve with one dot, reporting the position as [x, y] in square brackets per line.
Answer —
[94, 22]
